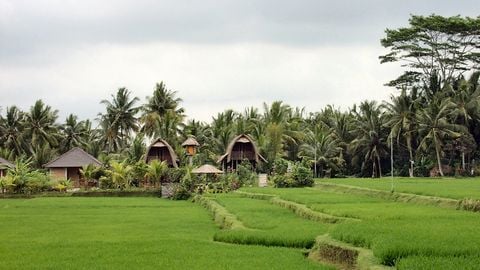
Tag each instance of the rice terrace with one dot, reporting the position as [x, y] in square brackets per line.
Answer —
[292, 134]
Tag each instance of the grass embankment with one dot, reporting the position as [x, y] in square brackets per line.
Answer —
[267, 224]
[455, 188]
[395, 231]
[124, 233]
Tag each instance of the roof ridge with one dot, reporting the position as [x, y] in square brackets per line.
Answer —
[76, 148]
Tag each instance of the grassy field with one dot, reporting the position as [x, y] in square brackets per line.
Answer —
[445, 187]
[400, 234]
[268, 224]
[125, 233]
[152, 233]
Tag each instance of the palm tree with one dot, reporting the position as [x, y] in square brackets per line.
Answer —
[40, 126]
[401, 120]
[162, 103]
[369, 142]
[280, 129]
[435, 128]
[73, 132]
[155, 171]
[120, 172]
[467, 112]
[137, 149]
[11, 130]
[322, 150]
[120, 114]
[223, 129]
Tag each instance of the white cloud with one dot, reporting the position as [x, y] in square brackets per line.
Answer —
[210, 78]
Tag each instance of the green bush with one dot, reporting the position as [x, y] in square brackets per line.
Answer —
[302, 176]
[280, 166]
[181, 193]
[174, 175]
[106, 182]
[37, 182]
[246, 174]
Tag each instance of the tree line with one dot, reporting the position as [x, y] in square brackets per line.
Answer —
[433, 123]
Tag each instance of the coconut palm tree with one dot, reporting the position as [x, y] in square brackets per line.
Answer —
[40, 126]
[73, 133]
[322, 150]
[400, 115]
[435, 127]
[162, 104]
[370, 140]
[121, 113]
[11, 130]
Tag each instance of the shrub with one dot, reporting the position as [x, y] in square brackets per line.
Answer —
[246, 174]
[181, 193]
[174, 175]
[106, 182]
[302, 176]
[37, 182]
[282, 181]
[280, 166]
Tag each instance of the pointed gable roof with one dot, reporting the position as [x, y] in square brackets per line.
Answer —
[6, 163]
[76, 157]
[161, 143]
[242, 138]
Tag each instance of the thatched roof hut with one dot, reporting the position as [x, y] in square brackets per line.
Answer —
[69, 164]
[207, 169]
[161, 151]
[241, 148]
[4, 165]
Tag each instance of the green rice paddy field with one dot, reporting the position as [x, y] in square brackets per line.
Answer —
[153, 233]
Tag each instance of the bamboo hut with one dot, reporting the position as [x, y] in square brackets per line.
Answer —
[69, 164]
[162, 151]
[4, 165]
[241, 148]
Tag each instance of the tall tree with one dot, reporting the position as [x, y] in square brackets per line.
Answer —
[433, 48]
[322, 150]
[40, 126]
[369, 144]
[11, 130]
[163, 105]
[435, 128]
[402, 122]
[120, 115]
[73, 133]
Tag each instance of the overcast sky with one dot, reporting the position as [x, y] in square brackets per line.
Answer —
[217, 54]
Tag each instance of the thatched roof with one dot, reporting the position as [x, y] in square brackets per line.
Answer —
[206, 169]
[243, 138]
[190, 141]
[5, 163]
[161, 143]
[75, 158]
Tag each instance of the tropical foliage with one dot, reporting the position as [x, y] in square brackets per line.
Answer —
[433, 122]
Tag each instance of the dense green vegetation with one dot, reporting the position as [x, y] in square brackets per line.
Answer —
[445, 187]
[434, 120]
[125, 233]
